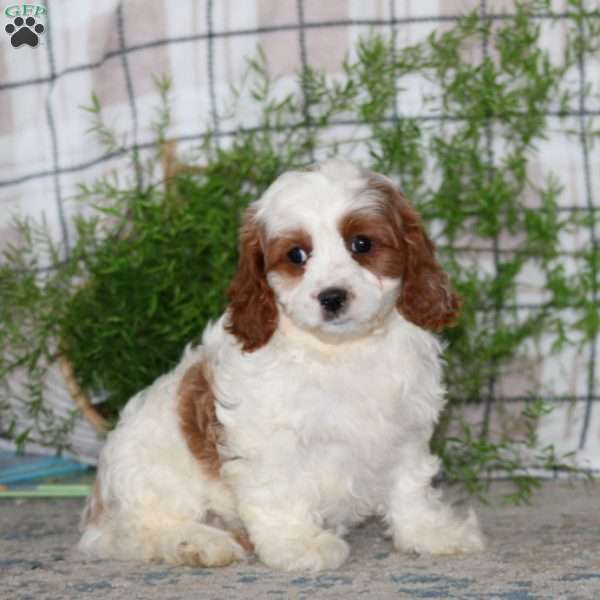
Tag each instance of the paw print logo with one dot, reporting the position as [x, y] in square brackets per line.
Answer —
[24, 31]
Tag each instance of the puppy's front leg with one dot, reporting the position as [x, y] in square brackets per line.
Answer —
[280, 517]
[286, 536]
[420, 521]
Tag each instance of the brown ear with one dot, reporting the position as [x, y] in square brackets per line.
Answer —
[426, 297]
[252, 308]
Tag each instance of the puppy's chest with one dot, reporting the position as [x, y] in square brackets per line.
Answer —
[359, 403]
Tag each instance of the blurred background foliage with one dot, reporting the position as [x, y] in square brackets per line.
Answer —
[155, 250]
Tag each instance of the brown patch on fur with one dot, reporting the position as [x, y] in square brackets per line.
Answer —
[252, 308]
[244, 541]
[198, 419]
[402, 249]
[94, 507]
[278, 248]
[238, 533]
[385, 257]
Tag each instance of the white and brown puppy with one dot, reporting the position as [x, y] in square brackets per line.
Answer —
[309, 405]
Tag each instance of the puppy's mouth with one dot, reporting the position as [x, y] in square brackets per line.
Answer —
[337, 321]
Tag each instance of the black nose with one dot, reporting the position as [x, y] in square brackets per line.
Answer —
[333, 299]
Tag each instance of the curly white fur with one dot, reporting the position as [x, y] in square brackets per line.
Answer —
[325, 424]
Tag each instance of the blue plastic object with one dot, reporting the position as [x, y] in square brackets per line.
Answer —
[20, 468]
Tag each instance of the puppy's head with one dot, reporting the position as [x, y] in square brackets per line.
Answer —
[335, 249]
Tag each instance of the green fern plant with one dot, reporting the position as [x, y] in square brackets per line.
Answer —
[149, 267]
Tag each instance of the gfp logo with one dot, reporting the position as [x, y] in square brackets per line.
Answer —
[24, 28]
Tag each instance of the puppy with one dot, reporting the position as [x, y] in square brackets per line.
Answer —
[310, 403]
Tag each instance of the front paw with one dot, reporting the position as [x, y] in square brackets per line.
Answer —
[315, 553]
[450, 536]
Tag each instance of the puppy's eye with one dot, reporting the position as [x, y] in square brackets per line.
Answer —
[297, 255]
[361, 244]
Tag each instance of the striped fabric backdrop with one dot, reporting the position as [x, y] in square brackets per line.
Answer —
[115, 47]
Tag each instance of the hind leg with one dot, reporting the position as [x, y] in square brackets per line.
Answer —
[163, 539]
[198, 545]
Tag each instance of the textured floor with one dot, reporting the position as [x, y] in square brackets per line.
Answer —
[550, 549]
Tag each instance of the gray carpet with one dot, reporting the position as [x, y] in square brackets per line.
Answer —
[550, 549]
